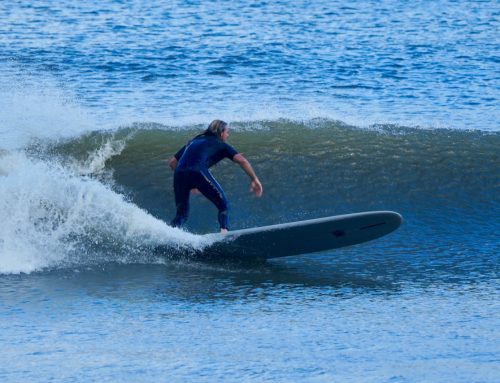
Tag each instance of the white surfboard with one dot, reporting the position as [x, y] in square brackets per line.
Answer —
[302, 237]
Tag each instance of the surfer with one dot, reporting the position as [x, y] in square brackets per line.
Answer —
[191, 163]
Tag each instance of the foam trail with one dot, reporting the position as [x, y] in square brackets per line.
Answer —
[51, 217]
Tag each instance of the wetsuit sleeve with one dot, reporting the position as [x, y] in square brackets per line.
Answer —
[229, 151]
[179, 154]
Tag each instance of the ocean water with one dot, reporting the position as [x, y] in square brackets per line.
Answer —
[339, 107]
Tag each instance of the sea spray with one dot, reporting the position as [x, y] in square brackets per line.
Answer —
[36, 109]
[52, 218]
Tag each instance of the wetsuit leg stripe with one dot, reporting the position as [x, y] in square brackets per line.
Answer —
[215, 185]
[213, 191]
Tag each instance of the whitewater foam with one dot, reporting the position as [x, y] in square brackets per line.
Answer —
[53, 218]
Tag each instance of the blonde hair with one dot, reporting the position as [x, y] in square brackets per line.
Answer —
[216, 127]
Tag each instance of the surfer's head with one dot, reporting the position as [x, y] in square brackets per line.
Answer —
[218, 128]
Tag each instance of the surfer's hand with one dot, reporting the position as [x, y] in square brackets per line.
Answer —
[195, 191]
[256, 187]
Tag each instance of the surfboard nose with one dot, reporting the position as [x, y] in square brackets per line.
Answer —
[384, 221]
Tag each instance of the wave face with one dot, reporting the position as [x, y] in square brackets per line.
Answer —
[105, 196]
[324, 167]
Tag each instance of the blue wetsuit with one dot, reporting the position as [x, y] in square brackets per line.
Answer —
[193, 162]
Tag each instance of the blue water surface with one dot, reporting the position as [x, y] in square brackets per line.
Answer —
[341, 106]
[433, 64]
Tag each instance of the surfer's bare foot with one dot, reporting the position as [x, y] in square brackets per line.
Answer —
[223, 231]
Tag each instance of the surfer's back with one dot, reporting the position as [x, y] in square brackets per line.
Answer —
[203, 152]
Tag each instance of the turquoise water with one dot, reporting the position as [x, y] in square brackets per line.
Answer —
[340, 108]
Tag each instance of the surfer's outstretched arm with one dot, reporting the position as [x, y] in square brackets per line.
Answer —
[255, 186]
